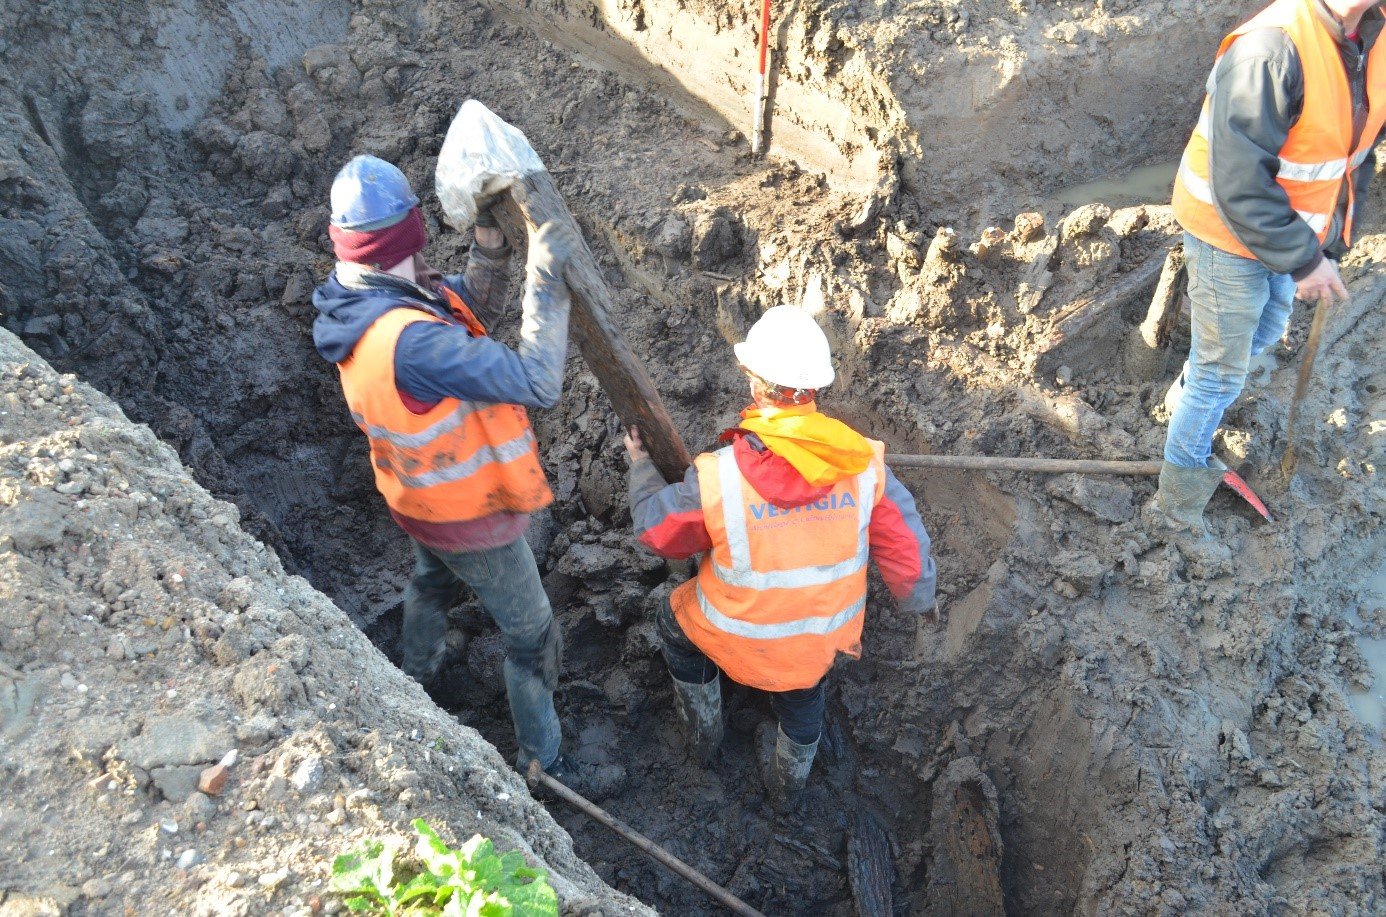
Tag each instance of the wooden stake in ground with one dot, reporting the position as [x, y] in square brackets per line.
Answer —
[759, 107]
[485, 161]
[1306, 369]
[1158, 328]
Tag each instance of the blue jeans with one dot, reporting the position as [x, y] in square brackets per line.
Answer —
[800, 711]
[1239, 310]
[506, 580]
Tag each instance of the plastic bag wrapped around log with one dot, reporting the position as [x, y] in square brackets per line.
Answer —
[482, 156]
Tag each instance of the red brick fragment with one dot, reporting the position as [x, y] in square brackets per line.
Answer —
[213, 780]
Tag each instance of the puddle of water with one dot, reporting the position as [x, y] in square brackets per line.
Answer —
[1152, 184]
[1370, 703]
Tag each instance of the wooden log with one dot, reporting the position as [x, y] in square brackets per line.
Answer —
[1038, 465]
[964, 872]
[870, 867]
[1289, 458]
[1091, 331]
[620, 372]
[1160, 318]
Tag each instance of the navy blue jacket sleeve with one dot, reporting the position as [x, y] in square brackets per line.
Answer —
[434, 361]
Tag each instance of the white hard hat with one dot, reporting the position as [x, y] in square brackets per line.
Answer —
[786, 347]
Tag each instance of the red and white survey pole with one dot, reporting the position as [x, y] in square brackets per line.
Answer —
[759, 113]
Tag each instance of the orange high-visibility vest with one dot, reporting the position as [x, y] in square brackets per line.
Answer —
[459, 461]
[782, 591]
[1318, 156]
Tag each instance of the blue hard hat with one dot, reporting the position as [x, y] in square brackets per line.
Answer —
[370, 193]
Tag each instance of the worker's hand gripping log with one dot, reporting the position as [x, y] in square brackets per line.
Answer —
[486, 162]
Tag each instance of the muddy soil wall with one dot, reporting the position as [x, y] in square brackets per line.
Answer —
[986, 108]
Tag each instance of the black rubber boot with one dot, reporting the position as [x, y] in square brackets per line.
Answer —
[700, 709]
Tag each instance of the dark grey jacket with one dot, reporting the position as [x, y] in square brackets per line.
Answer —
[1256, 94]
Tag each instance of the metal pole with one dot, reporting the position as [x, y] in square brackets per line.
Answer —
[758, 110]
[536, 776]
[1063, 466]
[1041, 465]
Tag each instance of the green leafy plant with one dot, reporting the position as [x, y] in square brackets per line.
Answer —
[468, 881]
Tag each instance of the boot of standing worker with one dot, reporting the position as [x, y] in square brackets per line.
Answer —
[784, 517]
[1267, 192]
[442, 405]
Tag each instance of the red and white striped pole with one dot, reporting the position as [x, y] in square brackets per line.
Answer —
[759, 111]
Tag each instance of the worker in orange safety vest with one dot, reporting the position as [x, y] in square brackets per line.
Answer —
[442, 405]
[1267, 193]
[783, 518]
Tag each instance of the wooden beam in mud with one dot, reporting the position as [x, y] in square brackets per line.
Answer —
[964, 874]
[1158, 327]
[870, 866]
[621, 374]
[1072, 322]
[1147, 348]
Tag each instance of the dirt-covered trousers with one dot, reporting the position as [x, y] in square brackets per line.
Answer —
[506, 580]
[1240, 308]
[800, 711]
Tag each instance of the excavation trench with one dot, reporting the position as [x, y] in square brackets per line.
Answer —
[163, 243]
[617, 709]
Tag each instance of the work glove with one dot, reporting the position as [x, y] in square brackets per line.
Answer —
[552, 247]
[425, 274]
[485, 219]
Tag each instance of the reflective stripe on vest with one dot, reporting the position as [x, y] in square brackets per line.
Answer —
[458, 461]
[1317, 159]
[503, 453]
[1201, 190]
[425, 436]
[805, 626]
[742, 573]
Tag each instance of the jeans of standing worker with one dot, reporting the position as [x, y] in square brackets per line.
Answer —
[800, 711]
[1239, 310]
[506, 580]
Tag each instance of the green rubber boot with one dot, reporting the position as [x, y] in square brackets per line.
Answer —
[700, 709]
[1184, 493]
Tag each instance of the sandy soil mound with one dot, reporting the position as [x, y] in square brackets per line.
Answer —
[146, 636]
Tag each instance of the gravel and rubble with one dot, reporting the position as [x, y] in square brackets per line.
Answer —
[187, 729]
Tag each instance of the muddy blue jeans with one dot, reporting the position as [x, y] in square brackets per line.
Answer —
[1239, 310]
[506, 580]
[800, 711]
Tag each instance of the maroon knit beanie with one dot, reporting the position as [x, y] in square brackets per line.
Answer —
[381, 248]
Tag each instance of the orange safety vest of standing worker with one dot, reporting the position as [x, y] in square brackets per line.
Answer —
[458, 461]
[782, 591]
[1318, 157]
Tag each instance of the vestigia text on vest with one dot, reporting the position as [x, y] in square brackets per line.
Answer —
[828, 503]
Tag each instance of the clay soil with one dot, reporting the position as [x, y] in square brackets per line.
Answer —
[1149, 729]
